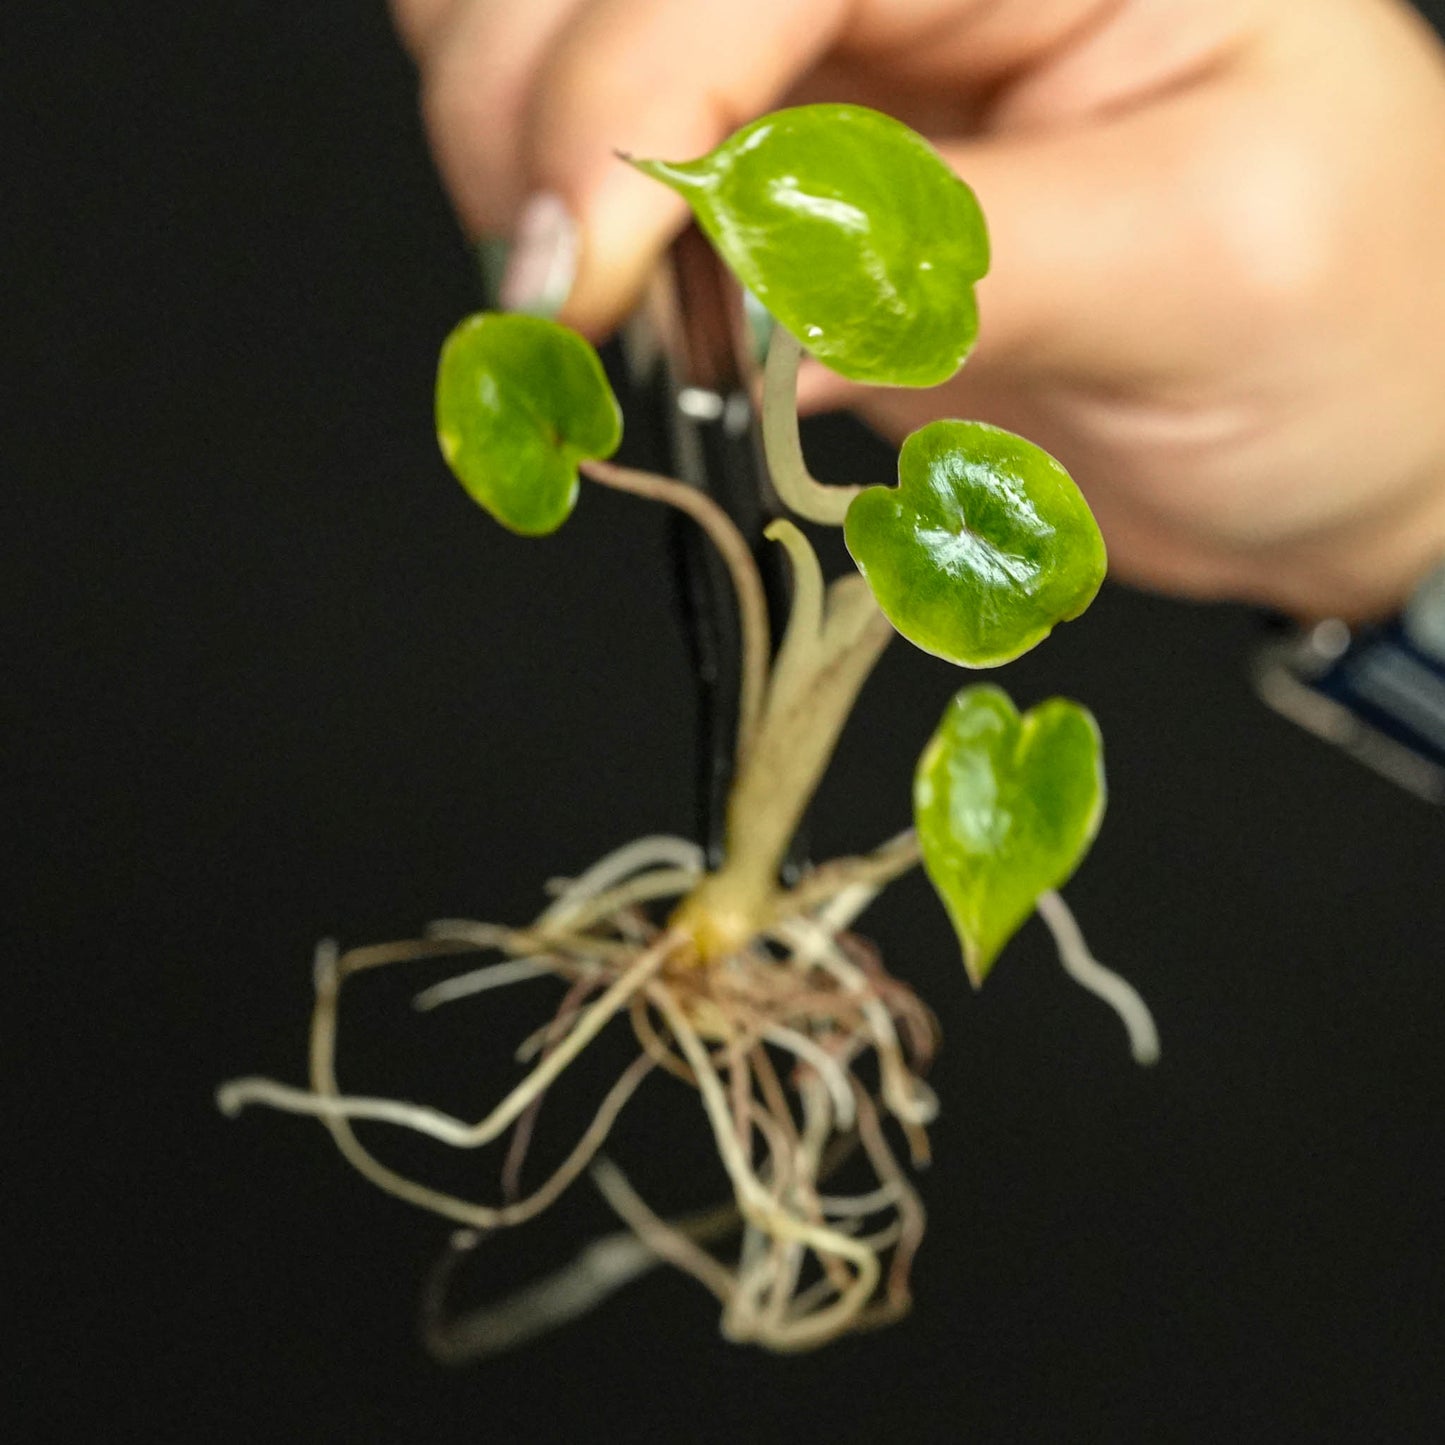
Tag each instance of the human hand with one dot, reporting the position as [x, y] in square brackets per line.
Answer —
[1218, 292]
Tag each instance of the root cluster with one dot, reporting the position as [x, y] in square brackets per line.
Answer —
[799, 1047]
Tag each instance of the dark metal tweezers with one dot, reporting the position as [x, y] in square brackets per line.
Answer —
[692, 373]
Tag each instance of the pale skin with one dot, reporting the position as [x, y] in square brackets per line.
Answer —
[1218, 291]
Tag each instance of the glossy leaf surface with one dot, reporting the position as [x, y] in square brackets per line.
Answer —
[1005, 807]
[519, 402]
[853, 231]
[984, 545]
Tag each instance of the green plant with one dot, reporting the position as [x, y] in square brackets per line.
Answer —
[865, 247]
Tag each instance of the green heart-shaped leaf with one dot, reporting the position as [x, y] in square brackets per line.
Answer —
[520, 401]
[1005, 807]
[981, 548]
[853, 231]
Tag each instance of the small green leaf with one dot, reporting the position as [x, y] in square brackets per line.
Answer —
[1005, 807]
[981, 548]
[520, 401]
[853, 231]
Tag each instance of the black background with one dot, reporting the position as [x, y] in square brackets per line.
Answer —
[270, 675]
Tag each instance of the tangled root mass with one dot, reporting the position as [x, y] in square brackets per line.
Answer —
[800, 1048]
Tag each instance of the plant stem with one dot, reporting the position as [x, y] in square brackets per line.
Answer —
[747, 584]
[802, 493]
[827, 655]
[805, 715]
[787, 734]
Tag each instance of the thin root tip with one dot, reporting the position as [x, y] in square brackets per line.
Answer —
[323, 964]
[230, 1100]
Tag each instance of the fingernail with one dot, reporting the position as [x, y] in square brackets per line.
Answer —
[543, 262]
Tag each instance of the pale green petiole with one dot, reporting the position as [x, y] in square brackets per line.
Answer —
[800, 491]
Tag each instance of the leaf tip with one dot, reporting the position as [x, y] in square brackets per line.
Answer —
[978, 961]
[679, 176]
[972, 966]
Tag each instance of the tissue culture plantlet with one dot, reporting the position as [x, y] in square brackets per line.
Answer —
[800, 1046]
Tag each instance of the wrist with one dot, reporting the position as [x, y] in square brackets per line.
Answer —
[1367, 571]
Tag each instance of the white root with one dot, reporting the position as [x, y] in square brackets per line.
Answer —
[482, 936]
[840, 911]
[239, 1094]
[446, 1128]
[482, 980]
[759, 1209]
[907, 1097]
[813, 1004]
[856, 1206]
[837, 892]
[538, 1039]
[604, 907]
[655, 851]
[661, 1238]
[828, 1068]
[1089, 973]
[598, 1272]
[601, 1269]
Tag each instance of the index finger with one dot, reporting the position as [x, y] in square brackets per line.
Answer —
[651, 78]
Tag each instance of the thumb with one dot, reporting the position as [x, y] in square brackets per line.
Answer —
[654, 79]
[1122, 256]
[1123, 253]
[1114, 242]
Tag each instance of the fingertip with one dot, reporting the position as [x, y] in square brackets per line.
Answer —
[660, 80]
[591, 109]
[625, 222]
